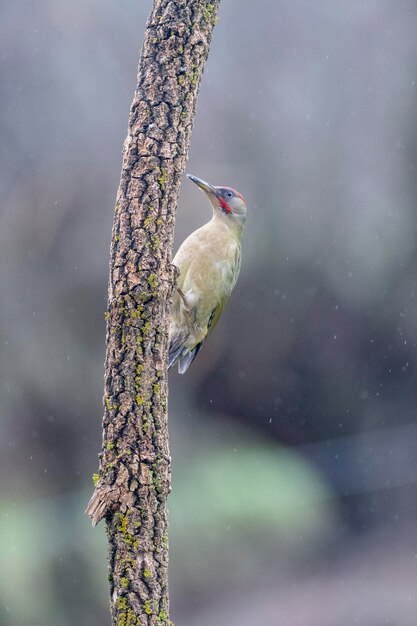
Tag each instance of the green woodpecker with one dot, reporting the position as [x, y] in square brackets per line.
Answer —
[209, 264]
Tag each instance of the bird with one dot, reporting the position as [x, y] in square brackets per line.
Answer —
[208, 263]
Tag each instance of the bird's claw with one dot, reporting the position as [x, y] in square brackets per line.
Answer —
[184, 300]
[175, 271]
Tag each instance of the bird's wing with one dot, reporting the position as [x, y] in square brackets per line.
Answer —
[218, 309]
[214, 317]
[188, 358]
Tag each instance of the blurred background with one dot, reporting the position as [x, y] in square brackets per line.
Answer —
[294, 436]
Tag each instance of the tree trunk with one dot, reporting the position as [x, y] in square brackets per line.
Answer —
[134, 474]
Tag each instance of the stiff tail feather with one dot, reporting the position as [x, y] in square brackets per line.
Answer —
[176, 345]
[177, 352]
[173, 356]
[185, 361]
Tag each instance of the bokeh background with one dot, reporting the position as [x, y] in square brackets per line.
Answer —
[294, 436]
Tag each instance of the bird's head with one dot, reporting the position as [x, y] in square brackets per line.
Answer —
[225, 200]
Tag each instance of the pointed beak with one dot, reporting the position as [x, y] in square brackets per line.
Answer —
[209, 189]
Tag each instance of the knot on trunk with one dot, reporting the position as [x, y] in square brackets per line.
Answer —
[107, 498]
[104, 500]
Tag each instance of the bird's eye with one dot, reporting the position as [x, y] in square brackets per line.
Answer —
[229, 194]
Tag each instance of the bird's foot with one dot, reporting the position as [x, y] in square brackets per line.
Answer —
[184, 300]
[174, 271]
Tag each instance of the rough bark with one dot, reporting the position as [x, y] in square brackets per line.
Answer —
[134, 473]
